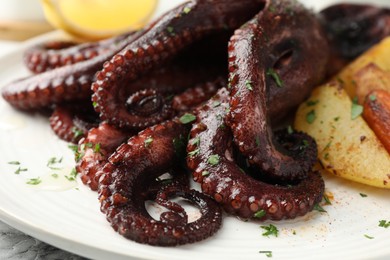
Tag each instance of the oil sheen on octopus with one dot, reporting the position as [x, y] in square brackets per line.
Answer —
[275, 60]
[211, 157]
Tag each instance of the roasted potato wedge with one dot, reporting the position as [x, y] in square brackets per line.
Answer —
[379, 55]
[377, 115]
[370, 78]
[347, 146]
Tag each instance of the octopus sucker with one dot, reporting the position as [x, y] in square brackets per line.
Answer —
[55, 54]
[268, 76]
[210, 151]
[125, 179]
[203, 91]
[165, 38]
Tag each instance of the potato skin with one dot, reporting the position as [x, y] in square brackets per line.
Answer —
[347, 147]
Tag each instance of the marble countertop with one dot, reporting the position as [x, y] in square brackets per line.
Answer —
[15, 244]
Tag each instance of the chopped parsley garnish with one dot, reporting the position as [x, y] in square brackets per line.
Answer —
[34, 181]
[270, 230]
[54, 175]
[77, 132]
[318, 208]
[275, 77]
[384, 223]
[96, 149]
[290, 130]
[369, 237]
[195, 141]
[356, 109]
[72, 175]
[267, 253]
[213, 159]
[259, 214]
[372, 97]
[148, 141]
[205, 173]
[14, 162]
[248, 85]
[311, 117]
[171, 30]
[186, 10]
[363, 195]
[53, 161]
[311, 103]
[19, 170]
[216, 103]
[194, 153]
[187, 118]
[73, 147]
[327, 200]
[94, 104]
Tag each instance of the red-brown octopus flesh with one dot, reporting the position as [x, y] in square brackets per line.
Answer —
[223, 73]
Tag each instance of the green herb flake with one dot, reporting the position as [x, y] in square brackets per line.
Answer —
[171, 30]
[327, 200]
[290, 130]
[72, 175]
[216, 103]
[267, 253]
[372, 97]
[311, 103]
[356, 109]
[213, 159]
[363, 195]
[318, 208]
[384, 223]
[369, 237]
[259, 214]
[14, 162]
[248, 85]
[311, 117]
[19, 170]
[205, 173]
[195, 141]
[77, 132]
[54, 175]
[94, 104]
[97, 147]
[194, 153]
[270, 230]
[186, 10]
[34, 181]
[274, 75]
[148, 142]
[73, 148]
[337, 118]
[53, 160]
[294, 232]
[187, 118]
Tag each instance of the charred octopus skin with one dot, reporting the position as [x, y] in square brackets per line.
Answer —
[352, 29]
[275, 60]
[127, 177]
[211, 157]
[163, 39]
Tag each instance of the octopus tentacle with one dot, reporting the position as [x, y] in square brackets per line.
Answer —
[125, 177]
[71, 122]
[193, 97]
[94, 150]
[211, 158]
[67, 83]
[163, 39]
[51, 55]
[352, 29]
[274, 62]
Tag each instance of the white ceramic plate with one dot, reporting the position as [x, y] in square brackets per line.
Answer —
[66, 214]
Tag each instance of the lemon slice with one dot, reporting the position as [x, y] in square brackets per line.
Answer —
[97, 19]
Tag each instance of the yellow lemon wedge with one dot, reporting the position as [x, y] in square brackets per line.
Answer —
[98, 19]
